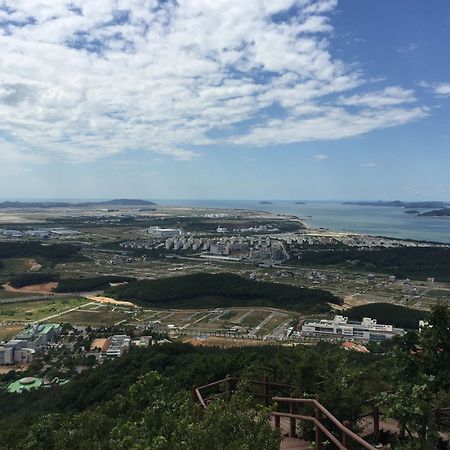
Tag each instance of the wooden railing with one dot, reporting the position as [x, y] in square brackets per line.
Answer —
[325, 424]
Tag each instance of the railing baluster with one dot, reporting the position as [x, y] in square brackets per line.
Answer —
[292, 421]
[266, 390]
[346, 424]
[318, 430]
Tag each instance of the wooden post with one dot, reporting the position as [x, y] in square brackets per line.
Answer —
[348, 425]
[318, 430]
[227, 387]
[376, 421]
[266, 390]
[194, 394]
[292, 430]
[277, 422]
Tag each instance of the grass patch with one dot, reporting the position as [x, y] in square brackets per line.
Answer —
[37, 310]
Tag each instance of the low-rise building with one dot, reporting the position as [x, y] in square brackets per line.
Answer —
[22, 348]
[120, 344]
[340, 327]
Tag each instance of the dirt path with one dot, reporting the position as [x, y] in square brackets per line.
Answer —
[103, 299]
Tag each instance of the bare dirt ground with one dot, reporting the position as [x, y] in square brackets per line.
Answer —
[8, 217]
[45, 288]
[34, 266]
[352, 300]
[101, 299]
[213, 341]
[6, 369]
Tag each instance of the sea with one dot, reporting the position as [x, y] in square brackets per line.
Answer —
[372, 220]
[386, 221]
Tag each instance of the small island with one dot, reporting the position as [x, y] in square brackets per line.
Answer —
[412, 211]
[265, 202]
[400, 204]
[299, 203]
[444, 212]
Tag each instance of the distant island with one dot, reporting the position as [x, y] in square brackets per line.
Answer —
[412, 211]
[299, 203]
[444, 212]
[265, 202]
[400, 204]
[115, 202]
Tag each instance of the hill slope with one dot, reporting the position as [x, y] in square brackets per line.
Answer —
[204, 290]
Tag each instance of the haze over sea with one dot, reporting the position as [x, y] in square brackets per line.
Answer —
[374, 220]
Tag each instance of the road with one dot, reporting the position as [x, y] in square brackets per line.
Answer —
[65, 312]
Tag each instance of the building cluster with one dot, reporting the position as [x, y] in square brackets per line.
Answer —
[261, 248]
[340, 327]
[40, 233]
[112, 347]
[21, 349]
[325, 238]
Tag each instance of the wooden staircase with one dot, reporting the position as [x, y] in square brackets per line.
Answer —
[288, 412]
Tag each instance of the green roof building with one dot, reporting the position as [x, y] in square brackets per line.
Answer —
[24, 384]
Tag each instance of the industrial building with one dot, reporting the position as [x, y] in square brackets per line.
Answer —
[164, 232]
[340, 327]
[22, 348]
[120, 344]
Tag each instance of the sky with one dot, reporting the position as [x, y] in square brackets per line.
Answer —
[225, 99]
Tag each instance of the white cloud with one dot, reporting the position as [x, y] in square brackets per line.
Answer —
[389, 96]
[442, 89]
[83, 80]
[408, 48]
[368, 164]
[320, 157]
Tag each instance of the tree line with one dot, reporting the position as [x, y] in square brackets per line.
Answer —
[203, 290]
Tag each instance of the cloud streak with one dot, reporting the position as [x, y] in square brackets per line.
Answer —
[82, 80]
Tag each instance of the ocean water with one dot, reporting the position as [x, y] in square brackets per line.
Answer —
[372, 220]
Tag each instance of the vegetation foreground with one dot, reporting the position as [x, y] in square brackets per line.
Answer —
[142, 400]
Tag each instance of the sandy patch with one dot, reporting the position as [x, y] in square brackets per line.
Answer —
[352, 300]
[44, 288]
[112, 301]
[216, 341]
[34, 266]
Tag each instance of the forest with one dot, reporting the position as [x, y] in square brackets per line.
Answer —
[389, 314]
[35, 249]
[29, 278]
[90, 284]
[203, 290]
[403, 262]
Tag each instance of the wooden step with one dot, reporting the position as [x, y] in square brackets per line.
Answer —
[294, 444]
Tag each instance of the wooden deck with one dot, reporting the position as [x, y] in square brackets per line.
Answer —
[287, 442]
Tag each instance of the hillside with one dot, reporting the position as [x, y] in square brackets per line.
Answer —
[444, 212]
[125, 399]
[45, 205]
[389, 314]
[204, 290]
[403, 262]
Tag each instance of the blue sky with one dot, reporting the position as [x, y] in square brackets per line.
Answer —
[263, 99]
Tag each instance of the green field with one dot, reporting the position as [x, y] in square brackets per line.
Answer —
[9, 331]
[37, 310]
[93, 319]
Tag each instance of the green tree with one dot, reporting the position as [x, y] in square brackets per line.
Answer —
[421, 363]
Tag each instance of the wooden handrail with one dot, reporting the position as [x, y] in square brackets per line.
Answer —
[321, 411]
[329, 416]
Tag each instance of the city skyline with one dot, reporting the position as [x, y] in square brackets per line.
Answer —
[288, 99]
